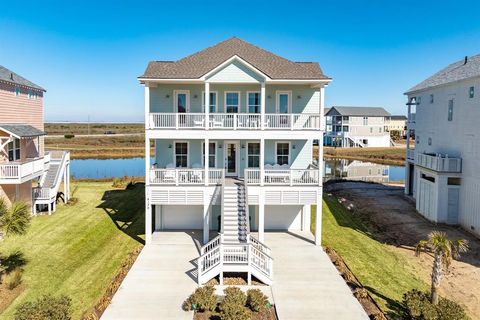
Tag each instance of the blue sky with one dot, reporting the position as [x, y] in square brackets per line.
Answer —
[87, 54]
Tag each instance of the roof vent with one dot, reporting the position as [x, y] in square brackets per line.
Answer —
[466, 60]
[11, 75]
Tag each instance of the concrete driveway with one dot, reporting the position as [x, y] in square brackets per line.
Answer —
[163, 276]
[306, 283]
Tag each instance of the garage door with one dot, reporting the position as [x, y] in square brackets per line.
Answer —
[283, 217]
[178, 217]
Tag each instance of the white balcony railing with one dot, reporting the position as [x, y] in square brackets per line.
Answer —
[14, 172]
[183, 176]
[411, 154]
[439, 162]
[292, 177]
[235, 121]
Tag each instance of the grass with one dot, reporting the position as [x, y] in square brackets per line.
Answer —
[93, 128]
[385, 273]
[394, 155]
[78, 250]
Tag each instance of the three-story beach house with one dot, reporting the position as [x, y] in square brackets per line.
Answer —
[27, 173]
[443, 166]
[232, 129]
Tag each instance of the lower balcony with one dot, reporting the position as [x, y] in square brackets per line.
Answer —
[282, 176]
[17, 172]
[439, 162]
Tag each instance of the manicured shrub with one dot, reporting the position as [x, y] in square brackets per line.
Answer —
[235, 295]
[13, 279]
[418, 307]
[69, 136]
[256, 300]
[233, 305]
[203, 299]
[47, 307]
[118, 183]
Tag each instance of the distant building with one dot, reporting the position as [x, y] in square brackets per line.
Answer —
[357, 127]
[443, 168]
[27, 173]
[397, 123]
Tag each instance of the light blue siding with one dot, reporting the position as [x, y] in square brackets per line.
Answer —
[236, 71]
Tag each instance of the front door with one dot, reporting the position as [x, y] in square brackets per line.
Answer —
[231, 154]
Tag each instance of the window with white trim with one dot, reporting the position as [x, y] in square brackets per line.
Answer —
[211, 154]
[283, 153]
[213, 101]
[365, 121]
[253, 155]
[181, 154]
[450, 110]
[253, 102]
[232, 102]
[14, 150]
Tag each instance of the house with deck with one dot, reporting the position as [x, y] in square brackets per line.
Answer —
[232, 129]
[443, 166]
[27, 172]
[357, 127]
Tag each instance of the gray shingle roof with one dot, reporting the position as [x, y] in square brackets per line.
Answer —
[10, 76]
[455, 72]
[198, 64]
[21, 130]
[325, 110]
[361, 111]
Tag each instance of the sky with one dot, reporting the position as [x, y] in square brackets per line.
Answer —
[88, 54]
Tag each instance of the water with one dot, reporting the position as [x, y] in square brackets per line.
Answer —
[338, 168]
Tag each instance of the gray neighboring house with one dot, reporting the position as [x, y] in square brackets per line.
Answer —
[357, 127]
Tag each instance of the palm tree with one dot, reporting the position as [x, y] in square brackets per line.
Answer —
[444, 250]
[14, 219]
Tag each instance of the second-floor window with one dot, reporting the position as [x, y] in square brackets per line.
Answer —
[17, 91]
[253, 155]
[253, 102]
[283, 153]
[181, 154]
[213, 101]
[471, 92]
[14, 150]
[232, 102]
[365, 121]
[450, 110]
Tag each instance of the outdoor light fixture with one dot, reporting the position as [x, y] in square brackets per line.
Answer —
[169, 146]
[195, 96]
[269, 97]
[243, 146]
[299, 97]
[294, 146]
[167, 96]
[219, 146]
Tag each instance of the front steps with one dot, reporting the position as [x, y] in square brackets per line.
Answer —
[234, 222]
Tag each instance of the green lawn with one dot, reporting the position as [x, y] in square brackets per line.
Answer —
[385, 273]
[78, 250]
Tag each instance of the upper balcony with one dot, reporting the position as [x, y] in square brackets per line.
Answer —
[439, 162]
[235, 121]
[18, 172]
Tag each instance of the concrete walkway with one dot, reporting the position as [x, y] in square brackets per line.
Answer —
[306, 283]
[163, 276]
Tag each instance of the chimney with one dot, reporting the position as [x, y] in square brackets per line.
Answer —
[466, 60]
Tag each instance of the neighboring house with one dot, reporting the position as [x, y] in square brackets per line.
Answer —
[256, 114]
[397, 123]
[357, 127]
[27, 173]
[443, 169]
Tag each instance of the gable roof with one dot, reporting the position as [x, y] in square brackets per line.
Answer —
[11, 77]
[361, 111]
[460, 70]
[399, 117]
[21, 130]
[198, 64]
[325, 110]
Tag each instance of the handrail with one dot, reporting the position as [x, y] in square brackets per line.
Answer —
[210, 245]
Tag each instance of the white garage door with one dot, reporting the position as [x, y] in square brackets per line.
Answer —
[283, 217]
[178, 217]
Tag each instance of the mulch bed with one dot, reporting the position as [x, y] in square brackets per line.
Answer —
[360, 292]
[7, 296]
[234, 279]
[266, 314]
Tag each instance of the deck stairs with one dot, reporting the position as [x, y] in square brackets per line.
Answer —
[235, 249]
[48, 187]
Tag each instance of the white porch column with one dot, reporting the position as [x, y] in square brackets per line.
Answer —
[207, 105]
[205, 160]
[148, 209]
[68, 182]
[318, 219]
[206, 217]
[262, 161]
[147, 106]
[262, 105]
[261, 217]
[306, 212]
[65, 196]
[320, 138]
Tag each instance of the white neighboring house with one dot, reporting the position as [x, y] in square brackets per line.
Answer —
[256, 173]
[443, 169]
[397, 123]
[357, 127]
